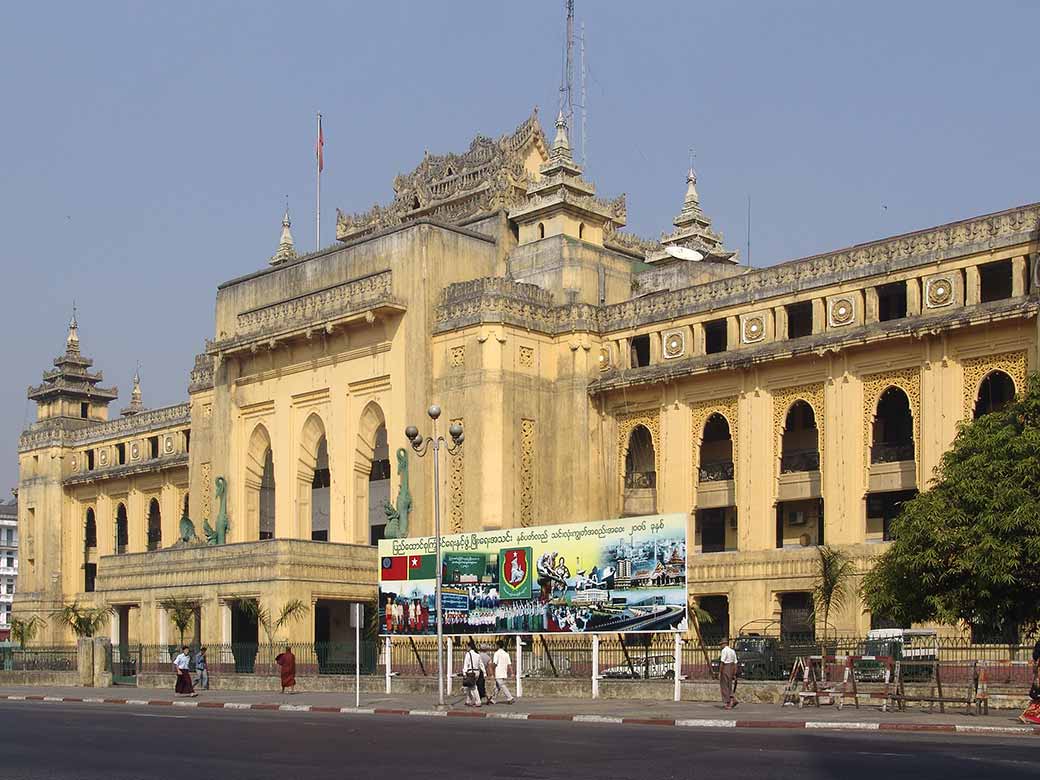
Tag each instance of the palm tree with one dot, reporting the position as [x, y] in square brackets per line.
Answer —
[291, 612]
[182, 612]
[832, 586]
[84, 621]
[24, 631]
[699, 617]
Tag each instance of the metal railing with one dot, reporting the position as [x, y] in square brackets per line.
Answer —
[249, 658]
[640, 480]
[38, 659]
[799, 460]
[891, 453]
[715, 472]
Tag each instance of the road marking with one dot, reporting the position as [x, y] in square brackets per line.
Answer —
[16, 698]
[430, 713]
[597, 719]
[841, 725]
[707, 723]
[149, 715]
[185, 703]
[294, 708]
[230, 705]
[357, 711]
[137, 701]
[508, 715]
[53, 698]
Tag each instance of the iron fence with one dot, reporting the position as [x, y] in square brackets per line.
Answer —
[715, 472]
[38, 659]
[249, 658]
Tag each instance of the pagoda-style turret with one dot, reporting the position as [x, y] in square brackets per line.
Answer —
[561, 202]
[693, 235]
[70, 389]
[286, 248]
[135, 407]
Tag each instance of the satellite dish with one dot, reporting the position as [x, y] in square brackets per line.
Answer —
[684, 253]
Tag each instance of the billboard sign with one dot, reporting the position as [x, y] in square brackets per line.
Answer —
[609, 576]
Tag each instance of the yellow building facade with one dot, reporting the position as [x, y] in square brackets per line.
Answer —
[595, 373]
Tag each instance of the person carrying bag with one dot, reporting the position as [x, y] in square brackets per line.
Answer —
[472, 672]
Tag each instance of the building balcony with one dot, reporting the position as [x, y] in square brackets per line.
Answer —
[891, 476]
[892, 453]
[715, 472]
[794, 461]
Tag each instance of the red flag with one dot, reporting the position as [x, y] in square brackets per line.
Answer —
[320, 147]
[394, 567]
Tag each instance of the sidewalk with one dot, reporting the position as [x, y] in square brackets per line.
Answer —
[658, 713]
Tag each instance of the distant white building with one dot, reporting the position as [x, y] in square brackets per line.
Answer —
[8, 563]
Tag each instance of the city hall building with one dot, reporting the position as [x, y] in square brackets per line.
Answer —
[596, 374]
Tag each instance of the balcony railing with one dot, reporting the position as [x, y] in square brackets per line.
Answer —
[891, 453]
[799, 460]
[716, 472]
[640, 480]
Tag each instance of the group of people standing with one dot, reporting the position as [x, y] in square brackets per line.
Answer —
[411, 616]
[476, 666]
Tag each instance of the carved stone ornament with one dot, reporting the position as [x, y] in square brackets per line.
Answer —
[457, 357]
[700, 411]
[938, 292]
[604, 359]
[842, 312]
[135, 451]
[103, 457]
[168, 444]
[753, 328]
[977, 369]
[906, 379]
[527, 357]
[783, 400]
[651, 420]
[674, 344]
[74, 464]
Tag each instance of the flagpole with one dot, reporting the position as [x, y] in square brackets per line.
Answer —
[317, 226]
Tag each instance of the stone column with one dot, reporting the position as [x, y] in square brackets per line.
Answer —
[779, 323]
[732, 332]
[819, 316]
[913, 297]
[972, 291]
[85, 661]
[697, 346]
[870, 310]
[102, 662]
[1019, 282]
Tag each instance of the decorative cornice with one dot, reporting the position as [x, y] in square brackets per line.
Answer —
[65, 435]
[167, 463]
[201, 374]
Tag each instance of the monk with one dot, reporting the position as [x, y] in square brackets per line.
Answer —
[287, 665]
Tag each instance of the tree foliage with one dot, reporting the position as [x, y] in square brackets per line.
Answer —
[968, 549]
[25, 631]
[182, 612]
[832, 584]
[291, 612]
[84, 621]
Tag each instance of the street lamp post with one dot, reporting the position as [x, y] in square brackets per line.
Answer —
[421, 444]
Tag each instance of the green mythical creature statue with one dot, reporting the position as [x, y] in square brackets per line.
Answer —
[187, 530]
[397, 516]
[218, 535]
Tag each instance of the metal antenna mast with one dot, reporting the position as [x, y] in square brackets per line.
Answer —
[584, 101]
[567, 81]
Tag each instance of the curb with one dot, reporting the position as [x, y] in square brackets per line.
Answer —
[692, 723]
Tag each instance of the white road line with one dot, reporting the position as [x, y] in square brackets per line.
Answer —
[707, 723]
[137, 701]
[357, 710]
[430, 713]
[294, 708]
[508, 715]
[842, 725]
[596, 719]
[185, 704]
[53, 698]
[231, 705]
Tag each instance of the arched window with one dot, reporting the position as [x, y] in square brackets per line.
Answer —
[800, 446]
[267, 496]
[379, 486]
[541, 230]
[184, 511]
[90, 531]
[154, 525]
[893, 435]
[312, 482]
[716, 455]
[640, 460]
[581, 230]
[370, 455]
[320, 485]
[122, 536]
[996, 390]
[259, 486]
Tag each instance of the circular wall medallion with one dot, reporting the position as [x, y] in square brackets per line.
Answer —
[940, 292]
[135, 451]
[842, 311]
[73, 464]
[168, 445]
[674, 345]
[754, 329]
[104, 458]
[604, 360]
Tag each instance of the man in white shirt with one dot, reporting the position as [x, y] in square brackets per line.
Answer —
[182, 667]
[501, 661]
[728, 676]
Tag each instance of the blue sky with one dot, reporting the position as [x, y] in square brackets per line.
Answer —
[146, 149]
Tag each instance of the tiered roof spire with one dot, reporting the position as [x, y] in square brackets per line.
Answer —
[286, 248]
[692, 231]
[135, 407]
[71, 383]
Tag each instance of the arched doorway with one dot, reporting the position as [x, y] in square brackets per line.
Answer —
[260, 486]
[996, 390]
[368, 512]
[716, 452]
[90, 531]
[122, 535]
[313, 481]
[378, 486]
[893, 432]
[154, 525]
[89, 551]
[799, 450]
[640, 497]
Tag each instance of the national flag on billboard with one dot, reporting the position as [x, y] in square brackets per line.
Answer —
[394, 567]
[514, 573]
[422, 567]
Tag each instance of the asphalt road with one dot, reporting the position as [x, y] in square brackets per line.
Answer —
[84, 742]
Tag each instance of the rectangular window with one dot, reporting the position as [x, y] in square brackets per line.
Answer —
[90, 460]
[84, 410]
[187, 441]
[715, 337]
[799, 319]
[153, 447]
[891, 301]
[995, 281]
[121, 454]
[640, 351]
[89, 575]
[377, 532]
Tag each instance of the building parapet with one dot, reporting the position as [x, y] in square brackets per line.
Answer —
[745, 356]
[500, 300]
[155, 465]
[770, 564]
[241, 564]
[201, 374]
[304, 313]
[73, 433]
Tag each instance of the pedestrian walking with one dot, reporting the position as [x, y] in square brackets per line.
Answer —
[485, 660]
[182, 668]
[472, 670]
[501, 661]
[202, 669]
[728, 676]
[287, 667]
[1032, 712]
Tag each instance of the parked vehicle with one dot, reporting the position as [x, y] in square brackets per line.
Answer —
[758, 658]
[656, 667]
[916, 648]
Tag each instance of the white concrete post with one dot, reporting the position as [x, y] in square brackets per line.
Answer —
[677, 695]
[595, 666]
[386, 651]
[519, 661]
[161, 614]
[357, 655]
[451, 647]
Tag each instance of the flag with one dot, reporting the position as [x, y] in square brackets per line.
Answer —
[514, 573]
[320, 147]
[394, 568]
[422, 567]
